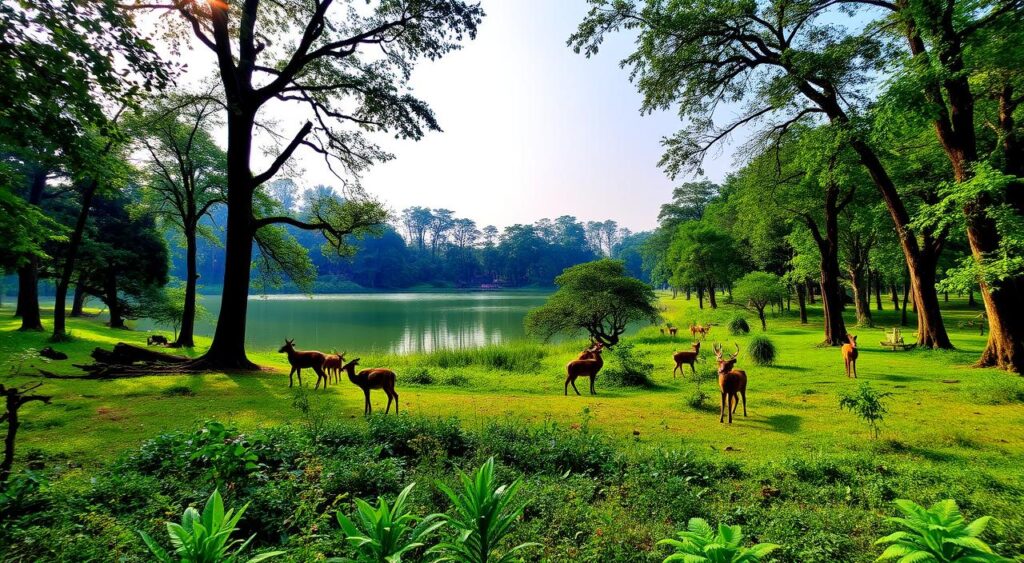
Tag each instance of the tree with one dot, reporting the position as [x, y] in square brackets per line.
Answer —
[315, 61]
[789, 64]
[757, 290]
[689, 200]
[597, 297]
[185, 179]
[702, 257]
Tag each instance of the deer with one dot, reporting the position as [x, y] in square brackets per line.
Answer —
[686, 357]
[672, 331]
[731, 382]
[704, 330]
[584, 366]
[376, 378]
[850, 355]
[304, 359]
[694, 329]
[332, 365]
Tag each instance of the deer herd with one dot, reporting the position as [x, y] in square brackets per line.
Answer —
[731, 382]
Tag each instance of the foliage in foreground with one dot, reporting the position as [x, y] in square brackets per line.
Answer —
[868, 405]
[386, 533]
[939, 534]
[206, 537]
[700, 542]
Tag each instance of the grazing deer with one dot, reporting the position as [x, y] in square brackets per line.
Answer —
[377, 378]
[332, 365]
[586, 367]
[850, 355]
[672, 330]
[686, 357]
[731, 382]
[299, 359]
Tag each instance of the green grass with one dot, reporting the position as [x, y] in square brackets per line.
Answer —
[793, 404]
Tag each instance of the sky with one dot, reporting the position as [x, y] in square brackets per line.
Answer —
[531, 129]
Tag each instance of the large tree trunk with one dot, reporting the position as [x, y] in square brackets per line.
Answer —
[78, 301]
[711, 298]
[801, 301]
[895, 296]
[188, 314]
[228, 348]
[113, 304]
[28, 273]
[832, 300]
[700, 297]
[1004, 302]
[861, 297]
[61, 297]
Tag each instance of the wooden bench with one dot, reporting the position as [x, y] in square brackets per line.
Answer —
[894, 340]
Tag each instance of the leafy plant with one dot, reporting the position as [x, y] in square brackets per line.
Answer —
[225, 451]
[761, 351]
[938, 534]
[484, 515]
[739, 326]
[385, 533]
[634, 368]
[206, 537]
[868, 404]
[700, 542]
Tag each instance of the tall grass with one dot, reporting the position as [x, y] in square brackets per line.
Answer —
[520, 357]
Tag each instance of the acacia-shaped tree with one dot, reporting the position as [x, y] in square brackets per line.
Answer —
[597, 297]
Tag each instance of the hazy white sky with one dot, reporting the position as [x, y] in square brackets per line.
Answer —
[531, 129]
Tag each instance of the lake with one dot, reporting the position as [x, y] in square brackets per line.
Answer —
[396, 322]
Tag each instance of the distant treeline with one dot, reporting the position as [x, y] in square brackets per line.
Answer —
[425, 247]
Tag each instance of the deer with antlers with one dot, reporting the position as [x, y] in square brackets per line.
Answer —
[376, 378]
[732, 383]
[587, 365]
[299, 359]
[850, 355]
[332, 365]
[686, 357]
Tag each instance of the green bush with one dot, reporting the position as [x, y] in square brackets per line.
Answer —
[630, 368]
[938, 534]
[867, 404]
[761, 351]
[700, 542]
[738, 326]
[385, 533]
[418, 376]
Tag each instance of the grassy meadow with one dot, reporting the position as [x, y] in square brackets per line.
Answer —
[951, 430]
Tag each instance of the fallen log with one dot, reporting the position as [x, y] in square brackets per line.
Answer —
[128, 354]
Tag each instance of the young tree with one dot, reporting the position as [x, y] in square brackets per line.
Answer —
[597, 297]
[312, 54]
[757, 290]
[186, 177]
[786, 63]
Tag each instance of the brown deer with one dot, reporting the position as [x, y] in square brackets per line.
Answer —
[332, 365]
[694, 330]
[376, 378]
[300, 359]
[686, 357]
[672, 331]
[850, 355]
[731, 382]
[704, 330]
[586, 367]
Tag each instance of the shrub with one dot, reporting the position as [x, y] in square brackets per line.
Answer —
[418, 376]
[738, 326]
[761, 350]
[705, 374]
[483, 514]
[702, 543]
[206, 537]
[386, 533]
[868, 404]
[937, 534]
[224, 452]
[634, 368]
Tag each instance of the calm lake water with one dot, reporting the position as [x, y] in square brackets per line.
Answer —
[398, 322]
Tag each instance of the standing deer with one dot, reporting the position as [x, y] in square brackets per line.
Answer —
[850, 355]
[299, 359]
[686, 357]
[731, 382]
[672, 331]
[585, 366]
[332, 365]
[694, 329]
[704, 330]
[376, 378]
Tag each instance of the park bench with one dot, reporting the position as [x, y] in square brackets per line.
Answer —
[894, 340]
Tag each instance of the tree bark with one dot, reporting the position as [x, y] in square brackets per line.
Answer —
[906, 298]
[227, 351]
[188, 314]
[1004, 303]
[61, 296]
[700, 297]
[113, 304]
[711, 298]
[801, 301]
[970, 298]
[78, 301]
[878, 290]
[895, 296]
[28, 273]
[861, 297]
